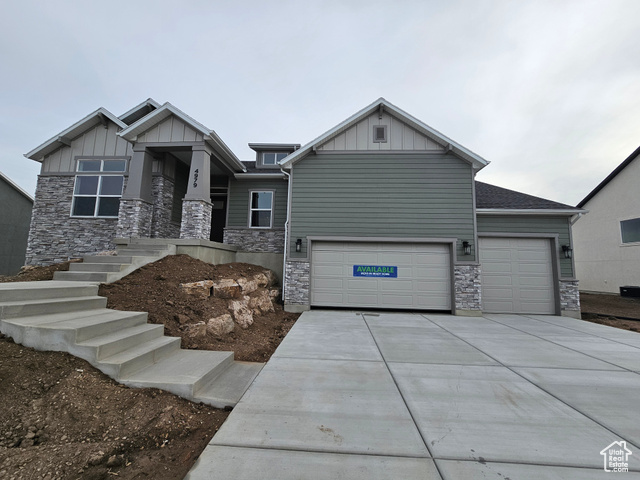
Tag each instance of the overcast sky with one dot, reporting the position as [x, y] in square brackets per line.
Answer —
[549, 92]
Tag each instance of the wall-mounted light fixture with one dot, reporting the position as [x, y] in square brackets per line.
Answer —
[299, 245]
[567, 250]
[466, 248]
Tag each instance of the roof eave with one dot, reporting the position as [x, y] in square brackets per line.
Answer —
[67, 135]
[564, 212]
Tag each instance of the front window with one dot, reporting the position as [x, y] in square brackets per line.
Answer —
[630, 230]
[272, 158]
[260, 209]
[98, 188]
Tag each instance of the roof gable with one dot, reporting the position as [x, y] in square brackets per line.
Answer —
[162, 121]
[141, 110]
[15, 186]
[400, 136]
[64, 138]
[610, 177]
[383, 106]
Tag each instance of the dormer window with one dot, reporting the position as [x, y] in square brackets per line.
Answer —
[272, 158]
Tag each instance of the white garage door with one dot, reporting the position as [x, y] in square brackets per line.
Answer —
[517, 275]
[381, 275]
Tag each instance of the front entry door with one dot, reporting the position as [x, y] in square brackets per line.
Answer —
[218, 218]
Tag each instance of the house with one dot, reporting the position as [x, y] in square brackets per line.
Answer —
[607, 240]
[15, 216]
[381, 211]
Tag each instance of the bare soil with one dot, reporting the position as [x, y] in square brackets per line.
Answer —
[604, 308]
[63, 419]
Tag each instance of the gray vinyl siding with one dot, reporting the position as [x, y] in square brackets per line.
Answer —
[382, 195]
[239, 201]
[531, 224]
[97, 141]
[15, 217]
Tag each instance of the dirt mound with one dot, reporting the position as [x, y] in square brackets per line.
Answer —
[603, 308]
[61, 418]
[155, 288]
[37, 274]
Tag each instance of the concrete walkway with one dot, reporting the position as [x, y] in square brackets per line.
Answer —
[408, 396]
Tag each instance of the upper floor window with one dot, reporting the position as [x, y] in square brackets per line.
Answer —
[630, 230]
[272, 158]
[98, 188]
[260, 209]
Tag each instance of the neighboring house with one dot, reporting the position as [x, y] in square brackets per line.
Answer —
[380, 211]
[607, 240]
[15, 216]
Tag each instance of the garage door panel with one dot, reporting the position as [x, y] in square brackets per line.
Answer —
[517, 275]
[423, 275]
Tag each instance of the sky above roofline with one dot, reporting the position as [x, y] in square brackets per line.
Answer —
[548, 91]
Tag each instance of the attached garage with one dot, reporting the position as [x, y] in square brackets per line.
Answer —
[517, 275]
[413, 276]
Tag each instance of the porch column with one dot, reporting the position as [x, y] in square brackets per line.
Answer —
[136, 204]
[196, 206]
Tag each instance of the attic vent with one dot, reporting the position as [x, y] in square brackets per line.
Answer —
[379, 133]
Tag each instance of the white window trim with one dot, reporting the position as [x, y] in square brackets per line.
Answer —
[100, 174]
[275, 154]
[270, 209]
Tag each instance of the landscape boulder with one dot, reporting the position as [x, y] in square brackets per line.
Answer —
[260, 303]
[241, 312]
[196, 330]
[248, 285]
[227, 288]
[221, 325]
[198, 289]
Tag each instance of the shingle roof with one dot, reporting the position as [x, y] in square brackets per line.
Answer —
[490, 196]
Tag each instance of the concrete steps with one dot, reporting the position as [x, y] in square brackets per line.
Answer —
[69, 317]
[109, 268]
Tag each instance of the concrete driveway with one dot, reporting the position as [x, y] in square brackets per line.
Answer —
[408, 396]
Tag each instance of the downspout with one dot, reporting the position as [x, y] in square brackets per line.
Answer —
[575, 218]
[286, 234]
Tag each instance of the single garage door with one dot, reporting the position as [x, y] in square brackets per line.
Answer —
[381, 275]
[517, 275]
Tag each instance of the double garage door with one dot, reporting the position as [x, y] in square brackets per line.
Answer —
[517, 275]
[381, 275]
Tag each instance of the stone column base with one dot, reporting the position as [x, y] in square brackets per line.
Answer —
[570, 298]
[134, 219]
[296, 286]
[468, 290]
[196, 219]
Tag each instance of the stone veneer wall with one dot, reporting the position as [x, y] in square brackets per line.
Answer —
[569, 296]
[255, 240]
[134, 219]
[54, 236]
[468, 289]
[296, 278]
[161, 225]
[196, 219]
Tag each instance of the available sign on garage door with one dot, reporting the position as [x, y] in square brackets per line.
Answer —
[517, 275]
[381, 275]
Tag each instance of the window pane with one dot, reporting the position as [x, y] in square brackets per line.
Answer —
[114, 166]
[280, 156]
[108, 207]
[630, 230]
[261, 200]
[111, 185]
[84, 206]
[89, 165]
[86, 185]
[260, 219]
[268, 158]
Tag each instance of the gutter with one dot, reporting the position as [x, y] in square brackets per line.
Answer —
[530, 211]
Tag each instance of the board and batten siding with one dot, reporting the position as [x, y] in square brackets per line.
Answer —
[400, 136]
[97, 141]
[531, 224]
[410, 195]
[172, 129]
[238, 210]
